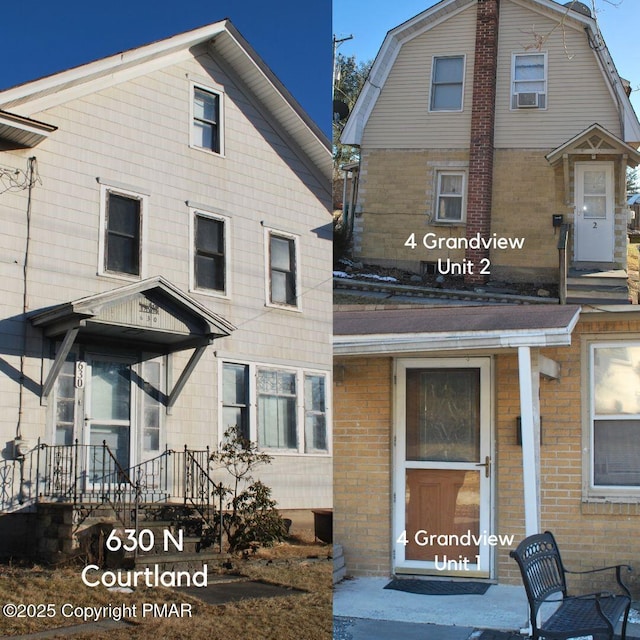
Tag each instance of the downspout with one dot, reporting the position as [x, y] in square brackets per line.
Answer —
[31, 172]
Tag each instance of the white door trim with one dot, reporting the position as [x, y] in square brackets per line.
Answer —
[594, 238]
[400, 564]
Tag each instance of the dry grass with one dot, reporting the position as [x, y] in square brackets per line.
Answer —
[306, 616]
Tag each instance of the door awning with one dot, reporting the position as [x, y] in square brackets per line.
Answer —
[150, 315]
[424, 329]
[593, 142]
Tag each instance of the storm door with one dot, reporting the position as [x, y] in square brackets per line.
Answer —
[442, 492]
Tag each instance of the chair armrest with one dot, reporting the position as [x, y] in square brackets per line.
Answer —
[617, 567]
[614, 566]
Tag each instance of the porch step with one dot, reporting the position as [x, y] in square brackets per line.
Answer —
[594, 286]
[178, 561]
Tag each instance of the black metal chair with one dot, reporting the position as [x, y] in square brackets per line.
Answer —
[544, 575]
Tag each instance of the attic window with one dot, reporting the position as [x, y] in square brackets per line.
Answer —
[447, 78]
[529, 81]
[206, 129]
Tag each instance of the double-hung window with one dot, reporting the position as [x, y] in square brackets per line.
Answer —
[447, 81]
[315, 413]
[277, 409]
[282, 409]
[449, 205]
[282, 270]
[209, 253]
[122, 214]
[529, 81]
[207, 120]
[615, 418]
[235, 397]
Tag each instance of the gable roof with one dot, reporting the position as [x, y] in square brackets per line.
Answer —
[428, 19]
[172, 320]
[594, 141]
[225, 43]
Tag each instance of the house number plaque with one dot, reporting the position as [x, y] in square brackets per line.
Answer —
[81, 372]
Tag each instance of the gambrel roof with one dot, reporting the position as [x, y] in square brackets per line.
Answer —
[446, 9]
[226, 44]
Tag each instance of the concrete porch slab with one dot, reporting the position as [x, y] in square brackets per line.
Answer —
[501, 607]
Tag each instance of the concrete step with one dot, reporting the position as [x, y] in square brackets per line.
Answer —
[179, 561]
[597, 297]
[597, 278]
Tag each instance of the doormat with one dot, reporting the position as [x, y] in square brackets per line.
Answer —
[439, 587]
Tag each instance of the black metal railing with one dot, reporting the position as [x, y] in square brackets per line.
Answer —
[563, 262]
[82, 474]
[91, 476]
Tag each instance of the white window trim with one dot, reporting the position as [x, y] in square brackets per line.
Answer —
[300, 373]
[162, 433]
[105, 190]
[464, 72]
[439, 171]
[199, 211]
[591, 492]
[268, 232]
[512, 86]
[221, 108]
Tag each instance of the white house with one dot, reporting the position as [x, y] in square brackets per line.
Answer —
[166, 270]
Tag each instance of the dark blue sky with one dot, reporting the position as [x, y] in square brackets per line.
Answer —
[292, 37]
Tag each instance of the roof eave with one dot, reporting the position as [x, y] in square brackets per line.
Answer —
[22, 131]
[421, 342]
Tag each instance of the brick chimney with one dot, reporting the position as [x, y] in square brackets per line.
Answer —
[482, 127]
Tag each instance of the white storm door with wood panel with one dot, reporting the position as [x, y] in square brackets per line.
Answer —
[442, 474]
[594, 214]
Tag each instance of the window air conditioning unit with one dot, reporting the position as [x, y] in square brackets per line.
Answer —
[527, 100]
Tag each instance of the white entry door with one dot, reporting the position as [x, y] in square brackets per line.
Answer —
[442, 488]
[594, 214]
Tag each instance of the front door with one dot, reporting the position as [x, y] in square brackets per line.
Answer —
[594, 213]
[108, 406]
[442, 493]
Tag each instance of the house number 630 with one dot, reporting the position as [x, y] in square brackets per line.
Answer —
[81, 371]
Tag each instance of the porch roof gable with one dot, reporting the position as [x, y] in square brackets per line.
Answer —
[152, 311]
[360, 332]
[594, 141]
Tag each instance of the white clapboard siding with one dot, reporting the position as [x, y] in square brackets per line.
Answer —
[577, 93]
[136, 133]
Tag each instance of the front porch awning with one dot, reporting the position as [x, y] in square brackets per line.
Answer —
[593, 143]
[489, 329]
[150, 315]
[452, 328]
